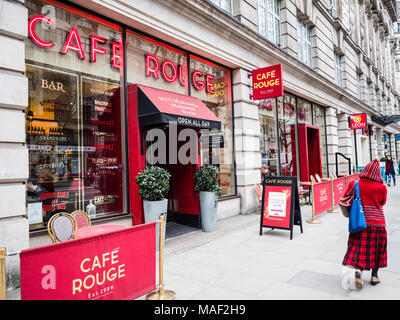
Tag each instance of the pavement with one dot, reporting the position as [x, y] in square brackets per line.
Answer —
[236, 263]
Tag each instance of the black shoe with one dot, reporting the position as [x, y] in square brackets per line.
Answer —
[375, 280]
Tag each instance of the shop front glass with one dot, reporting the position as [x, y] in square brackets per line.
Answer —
[287, 134]
[155, 64]
[319, 120]
[268, 139]
[73, 120]
[211, 84]
[304, 111]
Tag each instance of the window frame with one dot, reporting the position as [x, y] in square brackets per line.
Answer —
[304, 43]
[270, 13]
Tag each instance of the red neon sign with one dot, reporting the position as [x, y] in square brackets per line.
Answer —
[150, 70]
[73, 42]
[31, 31]
[116, 55]
[172, 67]
[198, 84]
[94, 49]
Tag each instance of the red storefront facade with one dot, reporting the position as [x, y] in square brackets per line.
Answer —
[90, 81]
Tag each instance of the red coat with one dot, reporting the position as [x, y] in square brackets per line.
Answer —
[373, 197]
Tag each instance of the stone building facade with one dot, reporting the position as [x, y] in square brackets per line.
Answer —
[339, 55]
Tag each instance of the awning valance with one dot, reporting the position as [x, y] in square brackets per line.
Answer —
[156, 106]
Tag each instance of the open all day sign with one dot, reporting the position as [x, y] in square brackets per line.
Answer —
[267, 82]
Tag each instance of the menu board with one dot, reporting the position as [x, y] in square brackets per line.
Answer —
[280, 204]
[102, 135]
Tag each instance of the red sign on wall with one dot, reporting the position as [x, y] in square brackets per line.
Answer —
[267, 82]
[358, 121]
[113, 266]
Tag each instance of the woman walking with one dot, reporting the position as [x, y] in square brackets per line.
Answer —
[389, 170]
[367, 250]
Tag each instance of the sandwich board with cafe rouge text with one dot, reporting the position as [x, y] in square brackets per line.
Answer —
[280, 204]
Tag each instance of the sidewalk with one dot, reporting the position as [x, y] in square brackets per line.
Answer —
[236, 263]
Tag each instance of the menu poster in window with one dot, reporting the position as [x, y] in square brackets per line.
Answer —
[280, 204]
[52, 123]
[102, 143]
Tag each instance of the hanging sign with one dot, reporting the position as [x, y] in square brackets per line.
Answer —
[358, 121]
[267, 82]
[280, 204]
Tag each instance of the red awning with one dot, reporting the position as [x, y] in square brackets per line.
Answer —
[157, 106]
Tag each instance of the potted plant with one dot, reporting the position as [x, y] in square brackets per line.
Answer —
[153, 185]
[207, 183]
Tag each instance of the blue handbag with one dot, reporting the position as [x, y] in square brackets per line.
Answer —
[357, 221]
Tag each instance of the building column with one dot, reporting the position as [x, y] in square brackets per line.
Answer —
[344, 144]
[14, 234]
[379, 143]
[332, 137]
[392, 150]
[374, 144]
[247, 144]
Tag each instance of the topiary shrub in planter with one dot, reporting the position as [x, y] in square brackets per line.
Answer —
[207, 183]
[154, 185]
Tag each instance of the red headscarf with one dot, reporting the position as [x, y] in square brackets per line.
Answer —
[372, 171]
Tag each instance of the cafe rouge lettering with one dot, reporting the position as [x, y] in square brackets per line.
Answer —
[73, 42]
[171, 73]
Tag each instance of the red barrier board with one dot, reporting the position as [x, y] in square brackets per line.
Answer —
[339, 188]
[113, 266]
[322, 197]
[351, 178]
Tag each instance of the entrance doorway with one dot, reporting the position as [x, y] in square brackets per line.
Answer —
[310, 151]
[170, 114]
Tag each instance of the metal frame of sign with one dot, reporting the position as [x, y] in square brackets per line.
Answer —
[295, 211]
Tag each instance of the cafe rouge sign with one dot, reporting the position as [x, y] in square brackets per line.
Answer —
[267, 82]
[168, 70]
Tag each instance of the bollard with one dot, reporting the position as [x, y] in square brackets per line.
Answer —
[2, 273]
[161, 293]
[333, 200]
[312, 220]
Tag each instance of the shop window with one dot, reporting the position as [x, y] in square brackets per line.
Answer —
[211, 83]
[304, 111]
[287, 134]
[319, 120]
[73, 120]
[155, 64]
[268, 140]
[269, 19]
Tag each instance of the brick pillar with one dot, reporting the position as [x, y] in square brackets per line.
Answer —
[247, 145]
[14, 234]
